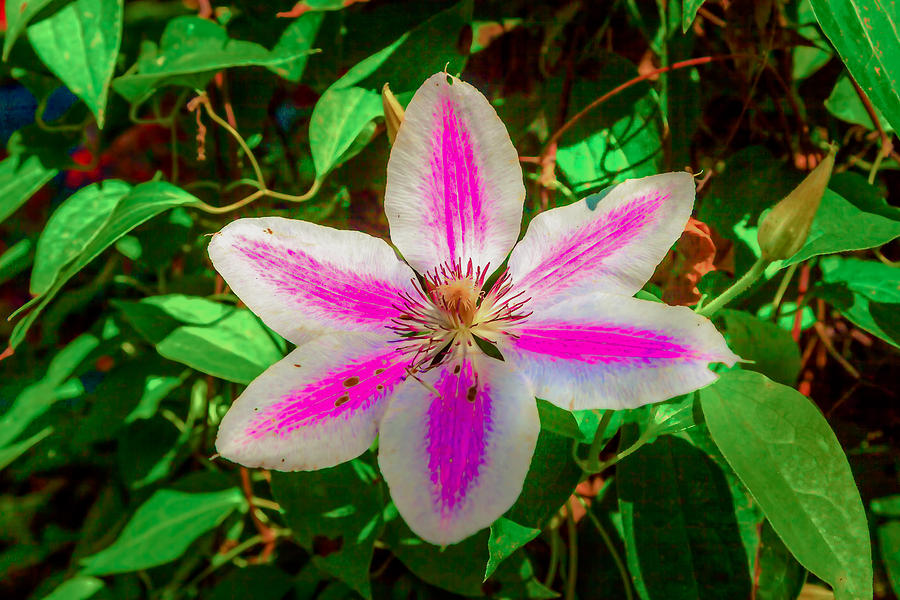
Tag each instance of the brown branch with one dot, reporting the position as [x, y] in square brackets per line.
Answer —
[267, 534]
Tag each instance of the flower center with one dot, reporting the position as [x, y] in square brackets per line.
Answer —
[452, 310]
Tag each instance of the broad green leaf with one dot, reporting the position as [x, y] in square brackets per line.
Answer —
[855, 221]
[559, 421]
[20, 178]
[771, 349]
[689, 10]
[845, 104]
[18, 14]
[297, 40]
[80, 44]
[342, 506]
[70, 229]
[783, 450]
[339, 117]
[344, 112]
[80, 587]
[38, 397]
[220, 340]
[15, 260]
[506, 537]
[888, 535]
[162, 529]
[253, 582]
[192, 50]
[866, 34]
[809, 59]
[142, 203]
[866, 292]
[781, 577]
[130, 392]
[551, 480]
[620, 141]
[682, 536]
[16, 449]
[458, 568]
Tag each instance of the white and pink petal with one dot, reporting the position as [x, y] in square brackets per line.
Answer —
[454, 183]
[303, 279]
[612, 352]
[612, 247]
[317, 407]
[456, 445]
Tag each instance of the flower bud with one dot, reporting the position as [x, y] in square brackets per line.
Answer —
[393, 112]
[784, 229]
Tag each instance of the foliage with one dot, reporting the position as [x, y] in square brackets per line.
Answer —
[134, 130]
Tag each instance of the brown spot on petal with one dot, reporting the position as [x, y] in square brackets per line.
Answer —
[351, 381]
[342, 400]
[268, 230]
[470, 395]
[379, 371]
[296, 364]
[456, 369]
[379, 387]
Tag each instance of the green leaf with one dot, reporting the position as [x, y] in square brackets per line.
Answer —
[18, 14]
[16, 259]
[866, 292]
[80, 587]
[80, 44]
[772, 349]
[223, 341]
[458, 568]
[689, 10]
[866, 34]
[559, 421]
[620, 141]
[682, 536]
[809, 59]
[38, 397]
[845, 104]
[888, 535]
[551, 480]
[253, 582]
[70, 229]
[192, 50]
[783, 450]
[297, 40]
[781, 577]
[15, 450]
[859, 220]
[338, 507]
[162, 529]
[344, 112]
[338, 118]
[20, 178]
[142, 203]
[506, 537]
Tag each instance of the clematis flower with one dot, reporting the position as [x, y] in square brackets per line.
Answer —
[382, 350]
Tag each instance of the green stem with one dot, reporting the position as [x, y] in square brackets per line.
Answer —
[739, 287]
[572, 575]
[592, 463]
[607, 539]
[554, 557]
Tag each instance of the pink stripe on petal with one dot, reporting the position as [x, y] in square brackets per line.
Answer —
[581, 255]
[304, 279]
[593, 344]
[613, 247]
[458, 421]
[455, 446]
[454, 184]
[610, 351]
[337, 394]
[311, 283]
[316, 408]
